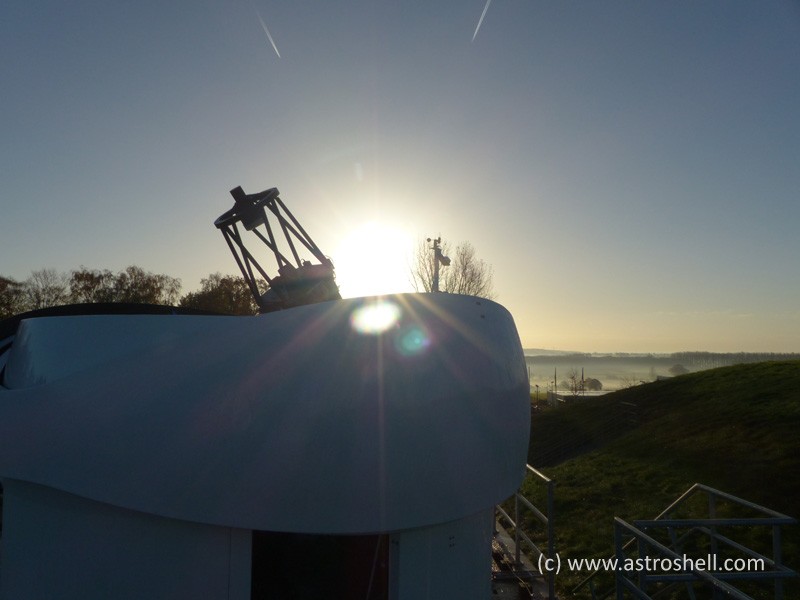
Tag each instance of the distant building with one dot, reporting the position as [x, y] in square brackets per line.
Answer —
[562, 398]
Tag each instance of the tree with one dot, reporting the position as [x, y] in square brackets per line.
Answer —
[134, 284]
[574, 382]
[44, 288]
[223, 294]
[628, 381]
[593, 385]
[467, 274]
[421, 267]
[87, 286]
[678, 370]
[12, 299]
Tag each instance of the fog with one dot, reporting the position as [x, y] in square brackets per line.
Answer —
[622, 370]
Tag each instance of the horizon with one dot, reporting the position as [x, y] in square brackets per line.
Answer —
[629, 170]
[623, 354]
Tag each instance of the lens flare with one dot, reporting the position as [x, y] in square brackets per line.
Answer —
[412, 341]
[375, 318]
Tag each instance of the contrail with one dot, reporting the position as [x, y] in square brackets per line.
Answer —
[483, 14]
[264, 25]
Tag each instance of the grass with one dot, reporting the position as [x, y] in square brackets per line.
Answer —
[736, 429]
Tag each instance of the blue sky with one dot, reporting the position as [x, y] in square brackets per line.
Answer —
[631, 169]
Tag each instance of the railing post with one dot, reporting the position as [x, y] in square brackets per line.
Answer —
[777, 556]
[551, 578]
[642, 555]
[516, 530]
[712, 514]
[620, 561]
[520, 535]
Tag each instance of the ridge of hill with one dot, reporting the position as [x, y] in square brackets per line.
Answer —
[734, 428]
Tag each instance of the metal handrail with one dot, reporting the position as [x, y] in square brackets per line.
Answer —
[547, 520]
[708, 527]
[650, 542]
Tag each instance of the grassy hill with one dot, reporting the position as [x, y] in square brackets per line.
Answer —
[736, 429]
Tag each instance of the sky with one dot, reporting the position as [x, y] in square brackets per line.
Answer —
[629, 168]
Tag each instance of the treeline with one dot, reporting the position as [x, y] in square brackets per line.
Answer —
[44, 288]
[695, 361]
[710, 360]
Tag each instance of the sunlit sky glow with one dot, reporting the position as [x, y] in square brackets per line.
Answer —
[630, 169]
[372, 260]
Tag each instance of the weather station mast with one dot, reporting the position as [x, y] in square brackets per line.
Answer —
[438, 258]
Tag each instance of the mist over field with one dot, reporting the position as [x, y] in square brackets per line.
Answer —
[619, 370]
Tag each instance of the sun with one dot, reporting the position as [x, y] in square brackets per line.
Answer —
[372, 260]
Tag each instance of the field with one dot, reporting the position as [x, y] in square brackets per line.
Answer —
[732, 428]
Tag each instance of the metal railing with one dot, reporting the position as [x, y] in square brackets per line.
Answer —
[546, 519]
[642, 532]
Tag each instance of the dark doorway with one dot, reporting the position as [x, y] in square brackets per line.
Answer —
[294, 566]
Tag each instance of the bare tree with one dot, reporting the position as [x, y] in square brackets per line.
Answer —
[421, 267]
[467, 274]
[574, 381]
[470, 275]
[47, 287]
[44, 288]
[628, 381]
[12, 299]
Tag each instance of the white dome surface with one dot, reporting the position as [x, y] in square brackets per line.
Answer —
[354, 416]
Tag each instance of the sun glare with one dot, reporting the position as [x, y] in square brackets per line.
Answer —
[375, 318]
[378, 316]
[372, 261]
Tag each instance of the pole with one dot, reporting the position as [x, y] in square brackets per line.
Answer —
[438, 258]
[437, 254]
